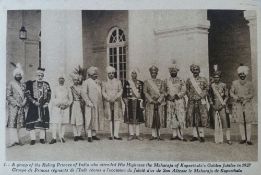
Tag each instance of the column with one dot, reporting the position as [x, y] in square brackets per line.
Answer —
[61, 42]
[250, 16]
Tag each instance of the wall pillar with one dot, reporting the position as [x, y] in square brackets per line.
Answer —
[158, 37]
[250, 16]
[61, 42]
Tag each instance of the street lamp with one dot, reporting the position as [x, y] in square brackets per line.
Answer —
[22, 31]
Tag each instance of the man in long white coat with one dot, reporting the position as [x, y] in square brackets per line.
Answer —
[112, 92]
[92, 93]
[62, 99]
[242, 93]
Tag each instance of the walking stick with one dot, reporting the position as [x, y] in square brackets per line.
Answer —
[112, 118]
[244, 117]
[156, 119]
[195, 121]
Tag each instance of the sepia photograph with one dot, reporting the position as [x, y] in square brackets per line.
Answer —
[131, 85]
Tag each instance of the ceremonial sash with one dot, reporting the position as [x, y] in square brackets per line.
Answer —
[218, 128]
[218, 94]
[197, 88]
[154, 87]
[134, 89]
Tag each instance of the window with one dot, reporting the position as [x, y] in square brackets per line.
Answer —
[117, 52]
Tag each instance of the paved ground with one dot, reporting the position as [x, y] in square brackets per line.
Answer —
[138, 150]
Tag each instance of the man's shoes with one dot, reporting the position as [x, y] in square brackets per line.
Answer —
[194, 139]
[95, 138]
[80, 138]
[117, 138]
[32, 142]
[75, 138]
[202, 139]
[62, 140]
[153, 138]
[229, 142]
[249, 143]
[175, 138]
[89, 139]
[139, 138]
[42, 141]
[131, 138]
[53, 141]
[159, 138]
[184, 140]
[242, 142]
[110, 138]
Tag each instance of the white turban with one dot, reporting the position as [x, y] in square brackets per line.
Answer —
[18, 70]
[136, 70]
[92, 70]
[174, 67]
[110, 69]
[243, 69]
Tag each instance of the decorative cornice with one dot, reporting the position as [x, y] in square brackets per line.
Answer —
[181, 30]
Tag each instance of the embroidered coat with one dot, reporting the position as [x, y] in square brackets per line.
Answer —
[134, 101]
[154, 89]
[15, 103]
[38, 116]
[197, 114]
[176, 112]
[242, 89]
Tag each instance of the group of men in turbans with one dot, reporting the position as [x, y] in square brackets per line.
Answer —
[171, 103]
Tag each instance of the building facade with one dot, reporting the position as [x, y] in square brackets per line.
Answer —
[128, 39]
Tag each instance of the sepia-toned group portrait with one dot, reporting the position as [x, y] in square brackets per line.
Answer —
[174, 85]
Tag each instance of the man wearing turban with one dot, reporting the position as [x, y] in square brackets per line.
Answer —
[133, 97]
[175, 91]
[218, 93]
[242, 93]
[77, 108]
[197, 91]
[112, 94]
[62, 99]
[92, 93]
[38, 93]
[155, 103]
[16, 102]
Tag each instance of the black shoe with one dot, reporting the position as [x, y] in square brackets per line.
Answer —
[159, 138]
[80, 138]
[110, 138]
[62, 140]
[95, 138]
[75, 138]
[42, 141]
[249, 143]
[153, 138]
[202, 139]
[229, 142]
[131, 138]
[242, 142]
[184, 140]
[117, 138]
[194, 139]
[32, 142]
[175, 138]
[89, 139]
[53, 141]
[139, 138]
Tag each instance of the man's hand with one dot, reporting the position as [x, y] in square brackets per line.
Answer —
[36, 103]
